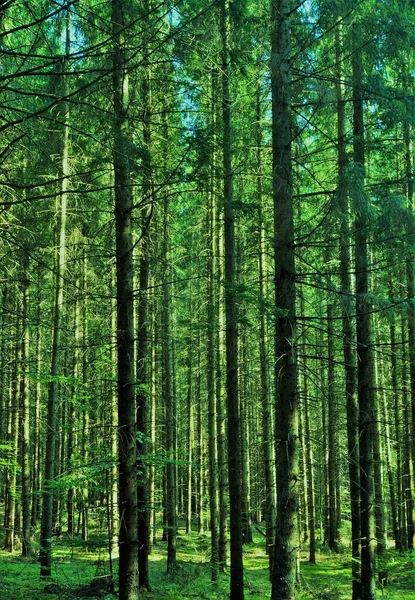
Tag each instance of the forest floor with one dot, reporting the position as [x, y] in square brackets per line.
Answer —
[77, 564]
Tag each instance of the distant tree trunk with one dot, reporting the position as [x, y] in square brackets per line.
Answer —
[190, 436]
[128, 551]
[310, 473]
[267, 433]
[303, 497]
[143, 383]
[309, 463]
[152, 470]
[410, 276]
[220, 409]
[245, 453]
[284, 578]
[347, 323]
[231, 319]
[37, 392]
[113, 416]
[71, 409]
[364, 336]
[211, 392]
[407, 478]
[397, 413]
[378, 470]
[25, 419]
[13, 439]
[55, 368]
[384, 424]
[333, 540]
[325, 461]
[200, 446]
[168, 394]
[85, 414]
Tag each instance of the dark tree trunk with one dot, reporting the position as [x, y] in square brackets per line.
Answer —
[128, 551]
[364, 335]
[284, 578]
[60, 262]
[231, 319]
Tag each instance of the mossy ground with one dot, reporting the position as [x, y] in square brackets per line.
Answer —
[76, 564]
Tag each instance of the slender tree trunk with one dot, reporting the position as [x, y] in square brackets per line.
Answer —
[168, 393]
[55, 367]
[210, 360]
[347, 324]
[410, 275]
[190, 440]
[220, 409]
[284, 579]
[364, 336]
[267, 433]
[333, 540]
[85, 414]
[378, 470]
[143, 383]
[25, 420]
[231, 319]
[114, 425]
[128, 551]
[407, 466]
[10, 536]
[245, 454]
[397, 412]
[71, 411]
[152, 470]
[384, 425]
[36, 417]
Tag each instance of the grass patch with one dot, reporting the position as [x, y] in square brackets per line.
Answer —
[76, 564]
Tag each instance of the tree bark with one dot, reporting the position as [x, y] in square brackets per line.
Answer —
[128, 551]
[55, 367]
[231, 319]
[364, 335]
[284, 579]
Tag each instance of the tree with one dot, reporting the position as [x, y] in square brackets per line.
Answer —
[284, 578]
[127, 497]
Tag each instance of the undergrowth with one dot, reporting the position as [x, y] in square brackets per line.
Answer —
[81, 570]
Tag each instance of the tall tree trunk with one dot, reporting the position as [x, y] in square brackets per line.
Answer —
[410, 275]
[364, 336]
[245, 454]
[210, 360]
[378, 470]
[385, 424]
[220, 409]
[168, 392]
[13, 440]
[333, 540]
[36, 468]
[128, 551]
[85, 414]
[25, 419]
[71, 409]
[347, 323]
[231, 319]
[397, 413]
[267, 433]
[55, 367]
[284, 578]
[407, 478]
[143, 383]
